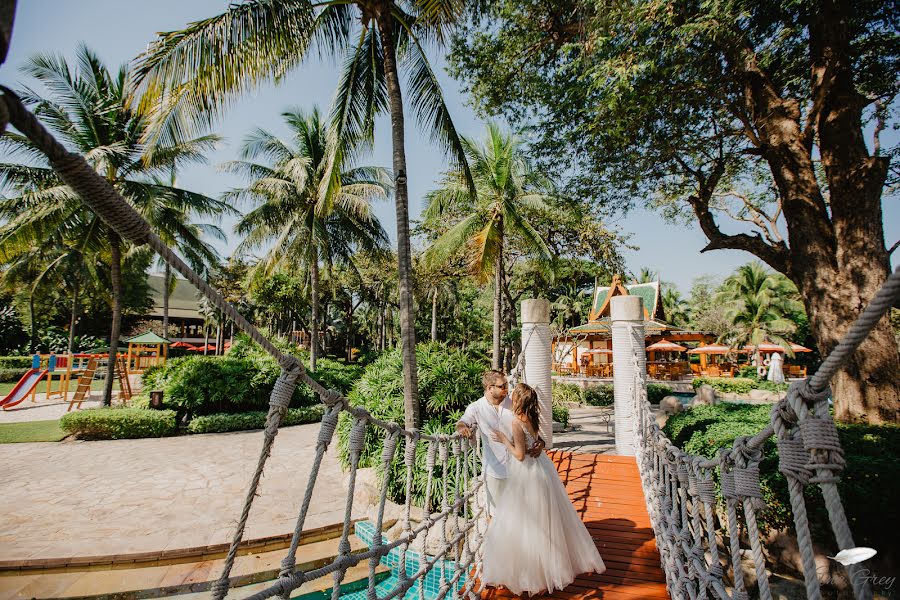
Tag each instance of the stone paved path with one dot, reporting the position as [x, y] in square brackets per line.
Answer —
[125, 496]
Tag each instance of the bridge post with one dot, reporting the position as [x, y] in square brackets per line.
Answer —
[536, 352]
[627, 314]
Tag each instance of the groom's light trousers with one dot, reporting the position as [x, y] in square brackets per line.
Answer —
[495, 489]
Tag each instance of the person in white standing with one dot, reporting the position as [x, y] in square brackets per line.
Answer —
[493, 412]
[536, 543]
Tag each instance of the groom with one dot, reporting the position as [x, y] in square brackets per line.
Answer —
[493, 411]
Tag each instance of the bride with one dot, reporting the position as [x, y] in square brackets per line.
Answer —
[535, 541]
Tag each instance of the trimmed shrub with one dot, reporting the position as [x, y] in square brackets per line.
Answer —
[734, 385]
[567, 392]
[657, 391]
[449, 379]
[119, 423]
[11, 375]
[561, 414]
[15, 362]
[223, 422]
[139, 401]
[599, 395]
[738, 385]
[204, 385]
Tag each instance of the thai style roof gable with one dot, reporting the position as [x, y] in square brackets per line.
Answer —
[649, 293]
[147, 338]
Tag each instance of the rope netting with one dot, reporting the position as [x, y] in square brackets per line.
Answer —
[680, 491]
[461, 521]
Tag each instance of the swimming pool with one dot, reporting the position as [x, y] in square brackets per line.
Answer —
[365, 531]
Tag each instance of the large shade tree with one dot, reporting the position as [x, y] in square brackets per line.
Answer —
[90, 110]
[205, 66]
[312, 206]
[507, 188]
[770, 112]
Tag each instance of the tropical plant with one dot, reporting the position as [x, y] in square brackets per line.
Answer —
[758, 306]
[699, 106]
[91, 110]
[200, 69]
[310, 202]
[506, 189]
[675, 307]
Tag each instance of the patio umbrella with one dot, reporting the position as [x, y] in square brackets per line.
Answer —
[665, 346]
[183, 345]
[769, 347]
[208, 348]
[710, 349]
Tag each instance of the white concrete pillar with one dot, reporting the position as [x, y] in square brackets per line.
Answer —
[627, 314]
[536, 352]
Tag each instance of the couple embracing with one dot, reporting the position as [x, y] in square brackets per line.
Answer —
[535, 541]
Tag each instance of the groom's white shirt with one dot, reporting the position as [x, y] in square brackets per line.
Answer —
[482, 412]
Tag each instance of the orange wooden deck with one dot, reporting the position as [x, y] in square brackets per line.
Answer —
[606, 492]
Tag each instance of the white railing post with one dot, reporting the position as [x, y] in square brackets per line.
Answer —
[536, 352]
[627, 313]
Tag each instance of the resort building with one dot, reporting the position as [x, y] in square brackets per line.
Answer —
[587, 349]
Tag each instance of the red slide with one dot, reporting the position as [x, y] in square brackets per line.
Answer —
[23, 388]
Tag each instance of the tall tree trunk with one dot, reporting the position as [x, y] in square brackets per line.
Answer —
[314, 320]
[404, 259]
[205, 338]
[115, 276]
[76, 287]
[434, 307]
[498, 297]
[33, 343]
[837, 255]
[167, 276]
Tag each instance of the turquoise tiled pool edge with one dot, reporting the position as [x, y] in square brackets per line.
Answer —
[365, 531]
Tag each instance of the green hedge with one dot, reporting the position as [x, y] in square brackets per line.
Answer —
[223, 422]
[869, 485]
[567, 392]
[602, 395]
[657, 391]
[119, 423]
[561, 414]
[11, 375]
[204, 385]
[738, 385]
[15, 362]
[599, 395]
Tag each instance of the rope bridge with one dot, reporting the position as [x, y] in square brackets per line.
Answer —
[463, 506]
[681, 495]
[679, 488]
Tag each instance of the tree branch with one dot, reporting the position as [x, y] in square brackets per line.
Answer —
[774, 255]
[894, 247]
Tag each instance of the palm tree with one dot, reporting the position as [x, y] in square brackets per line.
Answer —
[675, 307]
[200, 69]
[506, 189]
[311, 206]
[91, 111]
[758, 307]
[647, 275]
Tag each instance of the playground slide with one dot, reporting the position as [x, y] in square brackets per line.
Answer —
[23, 388]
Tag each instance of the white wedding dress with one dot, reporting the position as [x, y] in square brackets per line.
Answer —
[536, 541]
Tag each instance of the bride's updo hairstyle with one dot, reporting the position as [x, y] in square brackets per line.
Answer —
[525, 402]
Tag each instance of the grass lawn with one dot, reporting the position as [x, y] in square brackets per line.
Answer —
[31, 431]
[97, 384]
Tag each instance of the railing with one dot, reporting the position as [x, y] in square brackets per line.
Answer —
[680, 490]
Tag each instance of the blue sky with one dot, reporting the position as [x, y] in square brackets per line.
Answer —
[120, 29]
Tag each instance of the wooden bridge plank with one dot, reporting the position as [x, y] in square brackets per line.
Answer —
[606, 491]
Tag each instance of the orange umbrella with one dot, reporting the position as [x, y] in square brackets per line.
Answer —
[665, 346]
[183, 345]
[710, 349]
[769, 347]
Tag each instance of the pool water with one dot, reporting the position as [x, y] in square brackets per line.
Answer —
[365, 531]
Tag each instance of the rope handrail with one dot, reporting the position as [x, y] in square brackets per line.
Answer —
[100, 197]
[680, 492]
